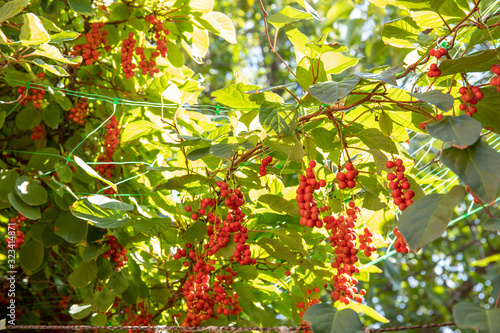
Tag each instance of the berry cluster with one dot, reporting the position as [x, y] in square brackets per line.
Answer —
[343, 240]
[400, 245]
[95, 39]
[117, 253]
[310, 302]
[37, 133]
[495, 81]
[79, 111]
[399, 184]
[434, 71]
[141, 318]
[64, 302]
[309, 211]
[127, 54]
[110, 143]
[202, 299]
[34, 94]
[470, 96]
[15, 236]
[265, 162]
[348, 178]
[364, 242]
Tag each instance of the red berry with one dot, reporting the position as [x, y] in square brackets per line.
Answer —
[443, 51]
[312, 164]
[496, 69]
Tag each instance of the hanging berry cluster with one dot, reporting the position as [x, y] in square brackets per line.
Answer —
[434, 71]
[15, 236]
[343, 240]
[470, 96]
[127, 55]
[309, 211]
[111, 140]
[95, 39]
[348, 178]
[398, 183]
[140, 318]
[202, 298]
[117, 254]
[37, 133]
[79, 112]
[400, 245]
[34, 95]
[265, 162]
[495, 81]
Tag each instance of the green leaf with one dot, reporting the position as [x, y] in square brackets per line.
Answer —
[92, 172]
[100, 217]
[52, 52]
[45, 159]
[7, 183]
[51, 116]
[476, 168]
[33, 31]
[427, 218]
[476, 62]
[321, 48]
[70, 228]
[324, 138]
[30, 191]
[324, 318]
[31, 212]
[367, 310]
[277, 250]
[288, 146]
[63, 36]
[235, 96]
[468, 315]
[152, 226]
[402, 32]
[55, 69]
[12, 8]
[117, 283]
[309, 9]
[28, 118]
[492, 224]
[99, 319]
[80, 311]
[459, 132]
[85, 273]
[104, 300]
[387, 76]
[281, 86]
[195, 232]
[64, 172]
[335, 62]
[436, 97]
[489, 114]
[224, 150]
[279, 204]
[286, 16]
[305, 75]
[83, 7]
[31, 256]
[184, 182]
[278, 118]
[223, 24]
[385, 123]
[105, 202]
[160, 293]
[374, 139]
[330, 92]
[138, 129]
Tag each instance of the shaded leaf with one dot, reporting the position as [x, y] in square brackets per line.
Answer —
[324, 318]
[330, 92]
[30, 191]
[492, 224]
[468, 315]
[278, 203]
[476, 168]
[152, 226]
[289, 146]
[12, 8]
[85, 273]
[184, 182]
[374, 139]
[31, 212]
[476, 62]
[31, 256]
[387, 76]
[83, 7]
[195, 232]
[70, 228]
[427, 218]
[459, 132]
[436, 97]
[100, 217]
